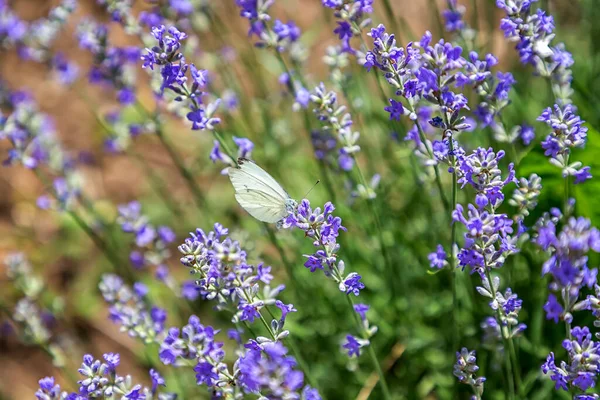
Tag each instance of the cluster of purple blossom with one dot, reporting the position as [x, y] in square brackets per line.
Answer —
[580, 372]
[324, 228]
[33, 319]
[465, 370]
[336, 124]
[121, 132]
[505, 324]
[101, 381]
[174, 77]
[488, 239]
[225, 276]
[152, 247]
[113, 66]
[244, 146]
[352, 18]
[33, 40]
[422, 71]
[534, 32]
[130, 308]
[567, 265]
[263, 366]
[567, 133]
[277, 35]
[34, 145]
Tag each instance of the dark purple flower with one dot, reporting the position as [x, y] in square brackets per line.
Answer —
[157, 380]
[553, 308]
[205, 374]
[437, 259]
[396, 110]
[353, 284]
[361, 309]
[344, 30]
[352, 346]
[189, 290]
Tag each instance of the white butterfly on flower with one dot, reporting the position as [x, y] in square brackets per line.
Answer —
[259, 193]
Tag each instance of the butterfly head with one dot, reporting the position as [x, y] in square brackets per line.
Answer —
[290, 204]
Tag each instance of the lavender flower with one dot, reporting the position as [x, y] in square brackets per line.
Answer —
[122, 132]
[506, 307]
[113, 66]
[437, 259]
[279, 36]
[525, 196]
[567, 133]
[48, 389]
[324, 228]
[12, 28]
[352, 18]
[194, 342]
[488, 238]
[353, 345]
[337, 60]
[583, 362]
[224, 275]
[465, 370]
[338, 123]
[66, 72]
[425, 71]
[20, 272]
[33, 318]
[453, 17]
[130, 309]
[152, 243]
[34, 40]
[100, 380]
[533, 32]
[266, 369]
[31, 321]
[567, 263]
[121, 12]
[174, 77]
[245, 147]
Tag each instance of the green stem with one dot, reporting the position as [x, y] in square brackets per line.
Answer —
[292, 87]
[249, 327]
[294, 349]
[370, 350]
[515, 362]
[273, 238]
[95, 238]
[155, 181]
[457, 329]
[436, 169]
[98, 241]
[185, 173]
[388, 263]
[507, 359]
[566, 206]
[159, 186]
[226, 148]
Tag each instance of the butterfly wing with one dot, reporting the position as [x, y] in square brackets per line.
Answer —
[258, 192]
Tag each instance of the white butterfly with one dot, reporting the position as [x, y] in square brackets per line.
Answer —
[259, 193]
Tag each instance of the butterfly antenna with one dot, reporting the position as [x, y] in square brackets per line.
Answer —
[313, 186]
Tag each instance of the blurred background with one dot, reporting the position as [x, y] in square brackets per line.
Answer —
[412, 320]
